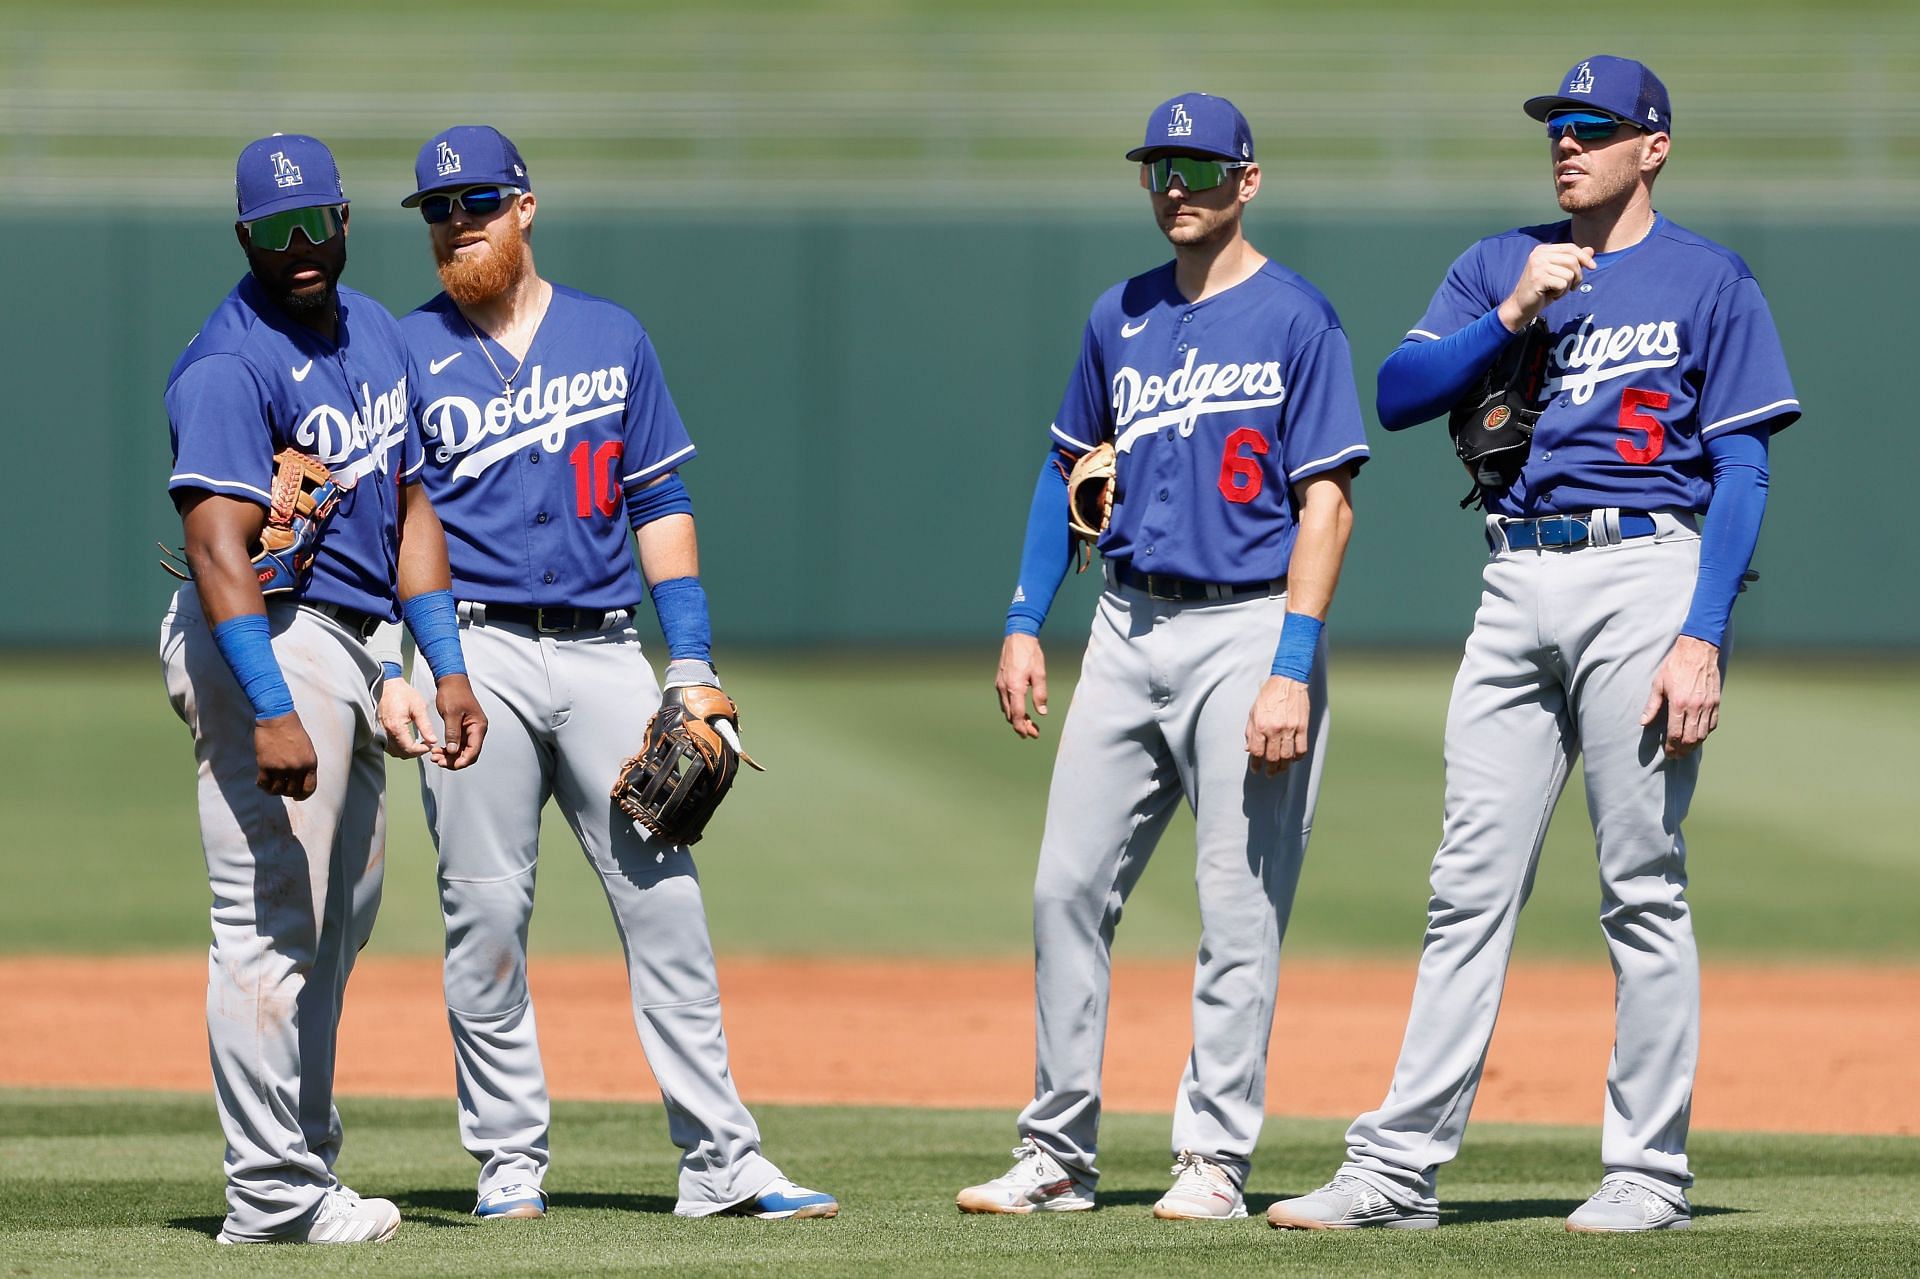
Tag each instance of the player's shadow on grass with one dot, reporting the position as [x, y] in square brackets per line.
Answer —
[1468, 1212]
[460, 1203]
[208, 1226]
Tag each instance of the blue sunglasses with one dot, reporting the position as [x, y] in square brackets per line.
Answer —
[1588, 126]
[479, 201]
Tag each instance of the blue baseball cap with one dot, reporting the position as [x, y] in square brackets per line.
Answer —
[1197, 124]
[467, 155]
[285, 171]
[1617, 86]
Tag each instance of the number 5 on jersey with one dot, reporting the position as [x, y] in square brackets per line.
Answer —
[1633, 421]
[594, 483]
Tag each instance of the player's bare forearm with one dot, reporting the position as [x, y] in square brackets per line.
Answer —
[220, 534]
[1023, 670]
[1320, 547]
[669, 548]
[423, 545]
[1687, 685]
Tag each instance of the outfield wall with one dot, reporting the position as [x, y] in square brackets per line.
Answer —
[871, 394]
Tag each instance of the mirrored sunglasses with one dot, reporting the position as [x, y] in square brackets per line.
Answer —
[274, 232]
[1191, 172]
[1588, 126]
[479, 202]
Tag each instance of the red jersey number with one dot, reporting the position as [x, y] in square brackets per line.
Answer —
[1240, 476]
[1634, 422]
[594, 486]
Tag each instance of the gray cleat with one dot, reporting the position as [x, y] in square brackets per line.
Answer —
[1621, 1205]
[1347, 1203]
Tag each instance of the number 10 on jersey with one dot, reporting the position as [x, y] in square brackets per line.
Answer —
[595, 486]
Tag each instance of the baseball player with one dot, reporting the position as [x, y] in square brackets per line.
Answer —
[279, 691]
[1615, 557]
[1224, 383]
[549, 434]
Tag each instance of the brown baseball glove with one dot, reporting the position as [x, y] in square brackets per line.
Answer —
[688, 759]
[304, 497]
[1090, 500]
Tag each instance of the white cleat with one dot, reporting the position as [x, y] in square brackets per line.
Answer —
[343, 1217]
[1621, 1206]
[1202, 1191]
[1035, 1183]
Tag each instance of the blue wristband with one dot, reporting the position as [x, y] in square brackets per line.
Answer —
[434, 619]
[1299, 641]
[247, 644]
[390, 670]
[681, 605]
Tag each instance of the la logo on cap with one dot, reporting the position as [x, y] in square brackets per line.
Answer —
[285, 172]
[449, 159]
[1181, 124]
[1582, 79]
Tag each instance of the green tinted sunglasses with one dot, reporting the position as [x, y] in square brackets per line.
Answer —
[1191, 172]
[319, 223]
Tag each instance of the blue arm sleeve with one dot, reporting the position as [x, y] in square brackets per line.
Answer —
[1043, 560]
[681, 605]
[1422, 380]
[1731, 531]
[247, 644]
[434, 619]
[655, 501]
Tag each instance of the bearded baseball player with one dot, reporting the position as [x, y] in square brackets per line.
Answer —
[549, 435]
[1616, 552]
[296, 379]
[1222, 386]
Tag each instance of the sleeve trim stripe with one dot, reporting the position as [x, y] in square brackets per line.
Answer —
[1068, 440]
[1422, 333]
[662, 464]
[416, 468]
[1753, 413]
[191, 479]
[1326, 463]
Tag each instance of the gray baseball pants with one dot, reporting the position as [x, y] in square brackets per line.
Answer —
[295, 886]
[1160, 715]
[563, 711]
[1562, 656]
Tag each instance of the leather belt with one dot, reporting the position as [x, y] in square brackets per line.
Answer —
[1567, 531]
[361, 624]
[546, 621]
[1161, 586]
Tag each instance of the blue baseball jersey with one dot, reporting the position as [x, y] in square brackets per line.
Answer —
[254, 381]
[1216, 409]
[1664, 344]
[532, 483]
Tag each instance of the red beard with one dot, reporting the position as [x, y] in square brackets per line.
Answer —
[471, 282]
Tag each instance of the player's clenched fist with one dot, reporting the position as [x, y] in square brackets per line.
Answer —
[1022, 668]
[285, 754]
[1551, 272]
[466, 723]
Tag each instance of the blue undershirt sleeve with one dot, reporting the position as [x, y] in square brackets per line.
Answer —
[1731, 530]
[1422, 380]
[658, 500]
[1044, 558]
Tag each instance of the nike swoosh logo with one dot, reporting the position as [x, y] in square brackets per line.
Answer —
[300, 374]
[1128, 330]
[434, 366]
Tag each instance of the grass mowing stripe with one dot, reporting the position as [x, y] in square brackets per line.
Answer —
[1766, 1205]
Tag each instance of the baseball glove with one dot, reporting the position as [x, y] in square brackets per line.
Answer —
[688, 759]
[303, 499]
[1090, 500]
[1492, 427]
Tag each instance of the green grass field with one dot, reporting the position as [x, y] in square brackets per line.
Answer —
[901, 817]
[127, 1184]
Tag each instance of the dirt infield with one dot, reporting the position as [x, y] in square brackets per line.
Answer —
[1826, 1049]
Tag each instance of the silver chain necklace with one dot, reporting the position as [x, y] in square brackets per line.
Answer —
[506, 379]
